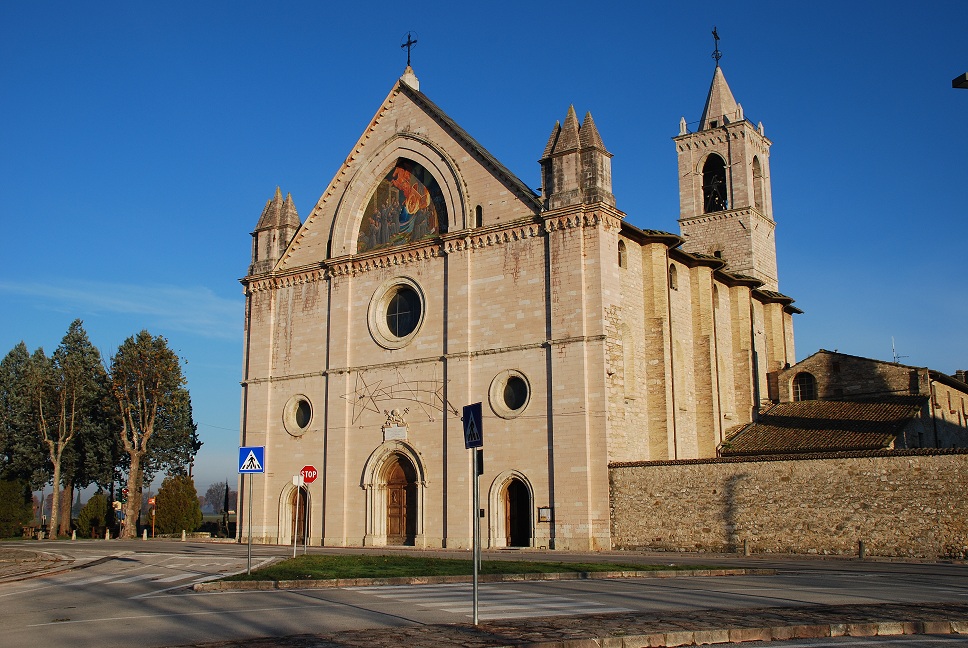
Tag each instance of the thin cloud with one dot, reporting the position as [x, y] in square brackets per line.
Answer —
[194, 309]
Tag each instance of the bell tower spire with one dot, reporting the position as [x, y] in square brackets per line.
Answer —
[725, 198]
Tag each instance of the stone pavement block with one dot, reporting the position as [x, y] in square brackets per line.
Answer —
[703, 637]
[838, 629]
[960, 627]
[654, 640]
[862, 629]
[810, 631]
[750, 634]
[886, 628]
[911, 627]
[936, 627]
[679, 638]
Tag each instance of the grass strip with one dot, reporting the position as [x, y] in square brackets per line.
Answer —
[322, 567]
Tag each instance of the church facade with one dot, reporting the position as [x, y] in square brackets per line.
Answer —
[428, 277]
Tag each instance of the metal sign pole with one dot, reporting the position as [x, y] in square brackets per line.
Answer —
[477, 525]
[474, 441]
[248, 565]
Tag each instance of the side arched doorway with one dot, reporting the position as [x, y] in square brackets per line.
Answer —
[298, 500]
[401, 512]
[517, 514]
[511, 502]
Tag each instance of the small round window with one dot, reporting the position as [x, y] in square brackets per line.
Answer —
[510, 393]
[396, 312]
[297, 415]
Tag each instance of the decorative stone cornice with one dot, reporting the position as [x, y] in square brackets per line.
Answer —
[727, 215]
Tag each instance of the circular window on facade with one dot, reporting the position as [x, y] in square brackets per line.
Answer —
[510, 393]
[396, 312]
[297, 415]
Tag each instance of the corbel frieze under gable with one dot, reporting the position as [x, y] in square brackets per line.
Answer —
[437, 248]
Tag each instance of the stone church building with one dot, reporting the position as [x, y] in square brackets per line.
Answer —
[428, 277]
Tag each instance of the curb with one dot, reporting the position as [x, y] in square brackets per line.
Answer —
[223, 586]
[740, 635]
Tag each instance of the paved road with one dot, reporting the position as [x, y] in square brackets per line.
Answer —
[138, 594]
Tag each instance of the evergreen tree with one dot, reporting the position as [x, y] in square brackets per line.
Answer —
[22, 455]
[156, 430]
[176, 505]
[94, 517]
[16, 507]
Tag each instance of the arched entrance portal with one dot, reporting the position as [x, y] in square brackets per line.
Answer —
[517, 514]
[401, 481]
[298, 500]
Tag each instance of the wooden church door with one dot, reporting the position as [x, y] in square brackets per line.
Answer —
[298, 503]
[401, 504]
[517, 514]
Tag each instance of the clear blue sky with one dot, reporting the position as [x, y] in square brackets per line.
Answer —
[140, 142]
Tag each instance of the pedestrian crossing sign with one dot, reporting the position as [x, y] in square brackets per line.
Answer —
[252, 459]
[473, 432]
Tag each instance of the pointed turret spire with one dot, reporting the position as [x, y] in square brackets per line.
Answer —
[721, 107]
[588, 134]
[568, 139]
[279, 212]
[576, 167]
[550, 146]
[277, 225]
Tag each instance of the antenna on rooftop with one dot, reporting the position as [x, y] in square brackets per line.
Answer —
[894, 352]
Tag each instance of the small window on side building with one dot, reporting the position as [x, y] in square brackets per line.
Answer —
[804, 387]
[622, 255]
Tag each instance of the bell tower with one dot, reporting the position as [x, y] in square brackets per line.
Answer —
[725, 200]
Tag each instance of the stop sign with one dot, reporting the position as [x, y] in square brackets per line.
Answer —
[309, 474]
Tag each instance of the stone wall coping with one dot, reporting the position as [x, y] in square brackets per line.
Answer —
[912, 452]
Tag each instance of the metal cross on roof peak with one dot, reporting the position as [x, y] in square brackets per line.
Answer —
[716, 53]
[409, 45]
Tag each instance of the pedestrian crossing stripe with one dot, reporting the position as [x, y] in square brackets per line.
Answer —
[251, 464]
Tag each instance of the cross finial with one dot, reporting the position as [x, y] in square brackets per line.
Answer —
[716, 53]
[409, 45]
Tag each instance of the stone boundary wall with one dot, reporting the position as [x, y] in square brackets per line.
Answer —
[906, 503]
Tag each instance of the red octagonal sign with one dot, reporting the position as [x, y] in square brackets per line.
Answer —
[309, 474]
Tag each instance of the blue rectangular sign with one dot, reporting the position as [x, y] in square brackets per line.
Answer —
[473, 432]
[252, 459]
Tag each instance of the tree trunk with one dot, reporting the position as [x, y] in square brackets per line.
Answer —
[55, 499]
[132, 509]
[67, 503]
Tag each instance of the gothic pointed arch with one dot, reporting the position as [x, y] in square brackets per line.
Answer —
[406, 168]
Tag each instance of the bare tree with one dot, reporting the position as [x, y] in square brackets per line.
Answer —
[63, 389]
